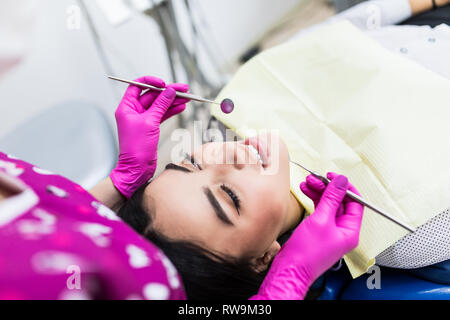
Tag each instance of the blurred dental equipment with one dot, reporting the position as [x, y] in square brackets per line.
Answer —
[226, 105]
[357, 198]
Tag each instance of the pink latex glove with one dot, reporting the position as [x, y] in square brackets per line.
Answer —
[138, 118]
[318, 242]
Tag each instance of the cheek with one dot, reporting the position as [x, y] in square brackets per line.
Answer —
[267, 212]
[270, 195]
[264, 227]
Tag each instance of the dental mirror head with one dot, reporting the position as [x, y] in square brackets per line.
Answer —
[227, 105]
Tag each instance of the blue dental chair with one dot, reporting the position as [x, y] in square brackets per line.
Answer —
[428, 283]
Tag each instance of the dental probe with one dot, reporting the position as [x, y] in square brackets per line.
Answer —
[226, 105]
[359, 199]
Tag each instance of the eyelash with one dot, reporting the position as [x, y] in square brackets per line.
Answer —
[191, 159]
[232, 195]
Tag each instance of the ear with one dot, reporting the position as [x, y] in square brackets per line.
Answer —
[261, 263]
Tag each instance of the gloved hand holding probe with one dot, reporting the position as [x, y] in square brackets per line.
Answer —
[318, 242]
[138, 119]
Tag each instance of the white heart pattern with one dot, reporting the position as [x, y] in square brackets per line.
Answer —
[42, 171]
[137, 257]
[171, 271]
[11, 168]
[156, 291]
[97, 233]
[105, 212]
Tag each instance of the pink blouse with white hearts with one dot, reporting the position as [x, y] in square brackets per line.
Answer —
[58, 242]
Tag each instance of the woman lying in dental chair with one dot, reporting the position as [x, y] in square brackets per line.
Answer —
[217, 215]
[218, 224]
[233, 218]
[219, 219]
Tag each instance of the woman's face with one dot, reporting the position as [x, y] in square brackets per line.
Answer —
[225, 198]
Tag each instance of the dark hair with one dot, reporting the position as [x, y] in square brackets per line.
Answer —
[205, 275]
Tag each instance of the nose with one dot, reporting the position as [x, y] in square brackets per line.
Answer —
[240, 157]
[230, 156]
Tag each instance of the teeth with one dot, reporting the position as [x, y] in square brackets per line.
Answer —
[254, 151]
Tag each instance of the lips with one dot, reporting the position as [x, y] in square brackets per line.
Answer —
[261, 147]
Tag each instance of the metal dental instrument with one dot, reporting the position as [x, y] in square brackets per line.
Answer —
[178, 94]
[359, 199]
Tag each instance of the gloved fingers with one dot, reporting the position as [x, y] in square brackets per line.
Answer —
[332, 198]
[173, 110]
[314, 188]
[179, 101]
[350, 213]
[352, 216]
[180, 87]
[351, 187]
[315, 183]
[148, 97]
[318, 185]
[135, 91]
[340, 211]
[310, 193]
[161, 104]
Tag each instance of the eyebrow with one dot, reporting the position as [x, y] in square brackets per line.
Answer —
[218, 210]
[173, 166]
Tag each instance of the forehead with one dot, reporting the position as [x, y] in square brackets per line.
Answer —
[176, 193]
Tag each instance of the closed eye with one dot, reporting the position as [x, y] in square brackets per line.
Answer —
[191, 159]
[233, 196]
